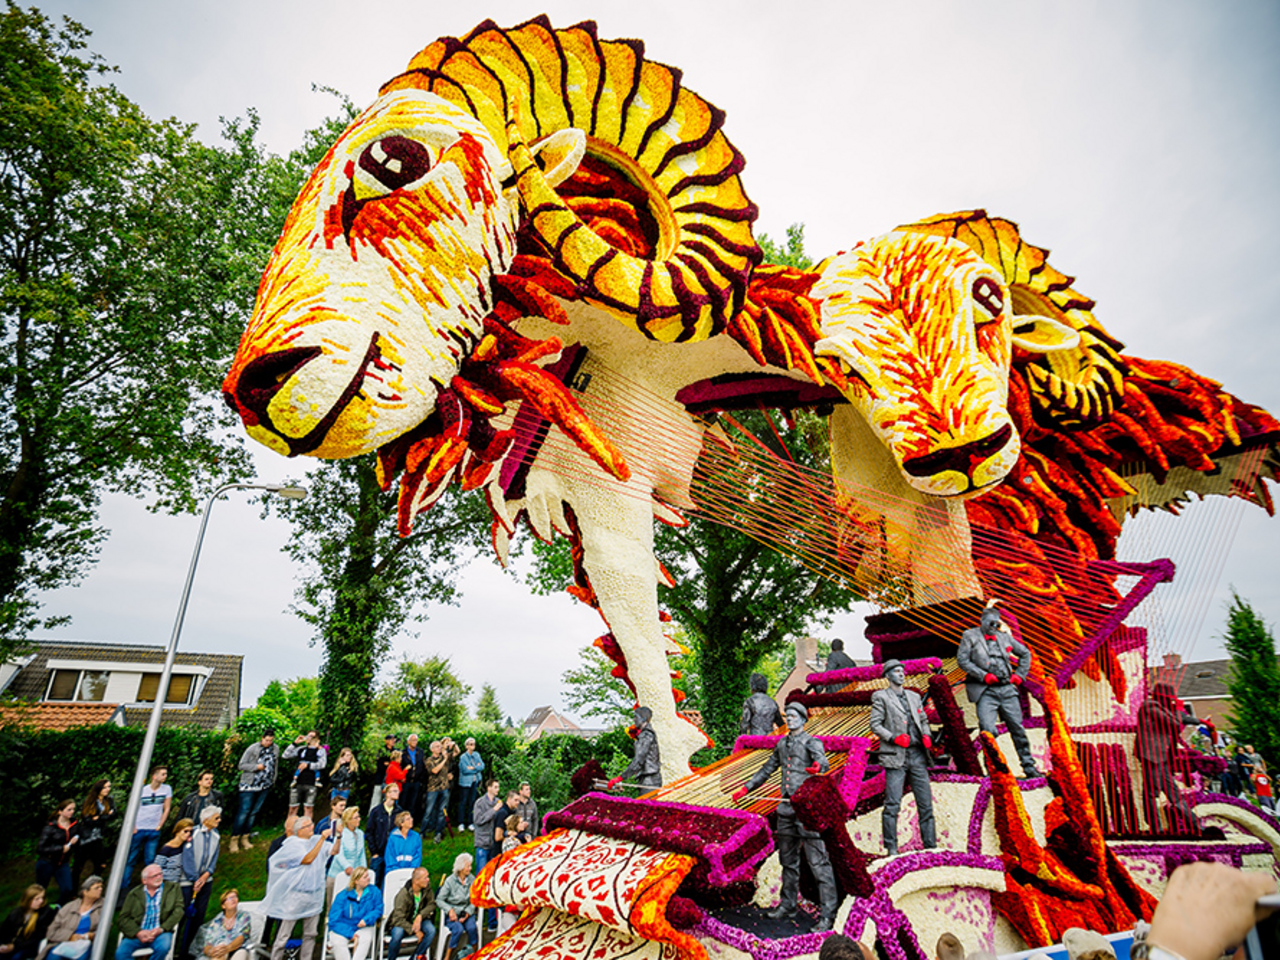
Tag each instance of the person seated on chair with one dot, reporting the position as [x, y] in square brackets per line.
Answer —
[71, 934]
[455, 901]
[149, 916]
[26, 924]
[404, 846]
[354, 917]
[226, 936]
[412, 915]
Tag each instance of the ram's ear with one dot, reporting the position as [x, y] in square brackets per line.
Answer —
[559, 154]
[1043, 334]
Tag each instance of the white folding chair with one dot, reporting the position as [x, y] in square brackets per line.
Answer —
[257, 926]
[342, 882]
[392, 884]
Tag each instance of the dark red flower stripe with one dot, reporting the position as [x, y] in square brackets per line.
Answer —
[820, 807]
[728, 844]
[952, 717]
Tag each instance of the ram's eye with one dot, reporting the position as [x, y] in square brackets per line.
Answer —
[395, 161]
[987, 294]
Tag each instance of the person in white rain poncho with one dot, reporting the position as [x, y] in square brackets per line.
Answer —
[295, 885]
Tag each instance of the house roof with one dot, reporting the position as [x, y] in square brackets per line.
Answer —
[216, 708]
[539, 714]
[58, 716]
[1208, 678]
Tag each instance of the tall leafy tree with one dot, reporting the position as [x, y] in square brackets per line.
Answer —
[1254, 681]
[487, 709]
[129, 257]
[423, 696]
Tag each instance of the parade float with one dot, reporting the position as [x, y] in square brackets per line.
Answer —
[529, 267]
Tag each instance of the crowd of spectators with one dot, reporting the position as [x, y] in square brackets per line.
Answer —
[338, 864]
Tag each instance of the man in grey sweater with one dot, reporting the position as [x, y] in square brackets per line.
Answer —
[258, 767]
[485, 817]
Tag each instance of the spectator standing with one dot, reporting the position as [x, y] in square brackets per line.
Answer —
[199, 863]
[354, 916]
[412, 915]
[342, 778]
[515, 832]
[71, 933]
[380, 769]
[169, 857]
[485, 815]
[455, 901]
[381, 823]
[1262, 786]
[258, 767]
[153, 811]
[94, 814]
[26, 925]
[349, 855]
[308, 760]
[415, 777]
[470, 774]
[528, 809]
[395, 772]
[55, 849]
[337, 810]
[437, 764]
[194, 803]
[453, 794]
[295, 887]
[1244, 766]
[404, 846]
[149, 916]
[226, 937]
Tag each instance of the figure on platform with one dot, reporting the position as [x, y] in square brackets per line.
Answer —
[1160, 721]
[899, 720]
[995, 665]
[645, 769]
[760, 713]
[800, 756]
[837, 659]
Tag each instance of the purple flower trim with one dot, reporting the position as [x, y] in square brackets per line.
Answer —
[874, 672]
[832, 744]
[980, 803]
[753, 946]
[728, 844]
[1267, 818]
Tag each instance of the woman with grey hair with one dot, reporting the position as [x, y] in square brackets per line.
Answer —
[455, 901]
[199, 861]
[71, 934]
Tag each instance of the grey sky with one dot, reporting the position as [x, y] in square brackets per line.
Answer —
[1138, 141]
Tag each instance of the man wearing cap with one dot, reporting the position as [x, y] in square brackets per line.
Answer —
[899, 720]
[800, 756]
[995, 665]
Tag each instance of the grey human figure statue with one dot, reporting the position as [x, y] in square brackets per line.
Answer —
[645, 768]
[837, 659]
[800, 756]
[899, 720]
[995, 665]
[760, 713]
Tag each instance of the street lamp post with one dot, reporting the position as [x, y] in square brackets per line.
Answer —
[115, 887]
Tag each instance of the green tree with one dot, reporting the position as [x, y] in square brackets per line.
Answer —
[487, 709]
[792, 254]
[129, 257]
[296, 700]
[591, 690]
[1254, 681]
[422, 696]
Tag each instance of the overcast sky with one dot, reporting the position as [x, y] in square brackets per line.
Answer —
[1137, 141]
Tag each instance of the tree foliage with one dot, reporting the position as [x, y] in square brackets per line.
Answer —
[129, 258]
[590, 689]
[297, 701]
[487, 709]
[423, 696]
[1254, 681]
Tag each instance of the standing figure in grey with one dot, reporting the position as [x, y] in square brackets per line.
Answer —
[995, 665]
[645, 768]
[899, 720]
[800, 756]
[837, 659]
[760, 713]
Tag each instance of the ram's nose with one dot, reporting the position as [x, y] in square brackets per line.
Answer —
[250, 393]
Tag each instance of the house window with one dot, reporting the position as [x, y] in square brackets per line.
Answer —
[63, 685]
[78, 685]
[181, 686]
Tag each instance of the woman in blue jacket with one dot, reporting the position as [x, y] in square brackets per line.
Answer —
[404, 846]
[354, 917]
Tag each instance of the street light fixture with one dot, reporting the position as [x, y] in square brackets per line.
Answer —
[116, 886]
